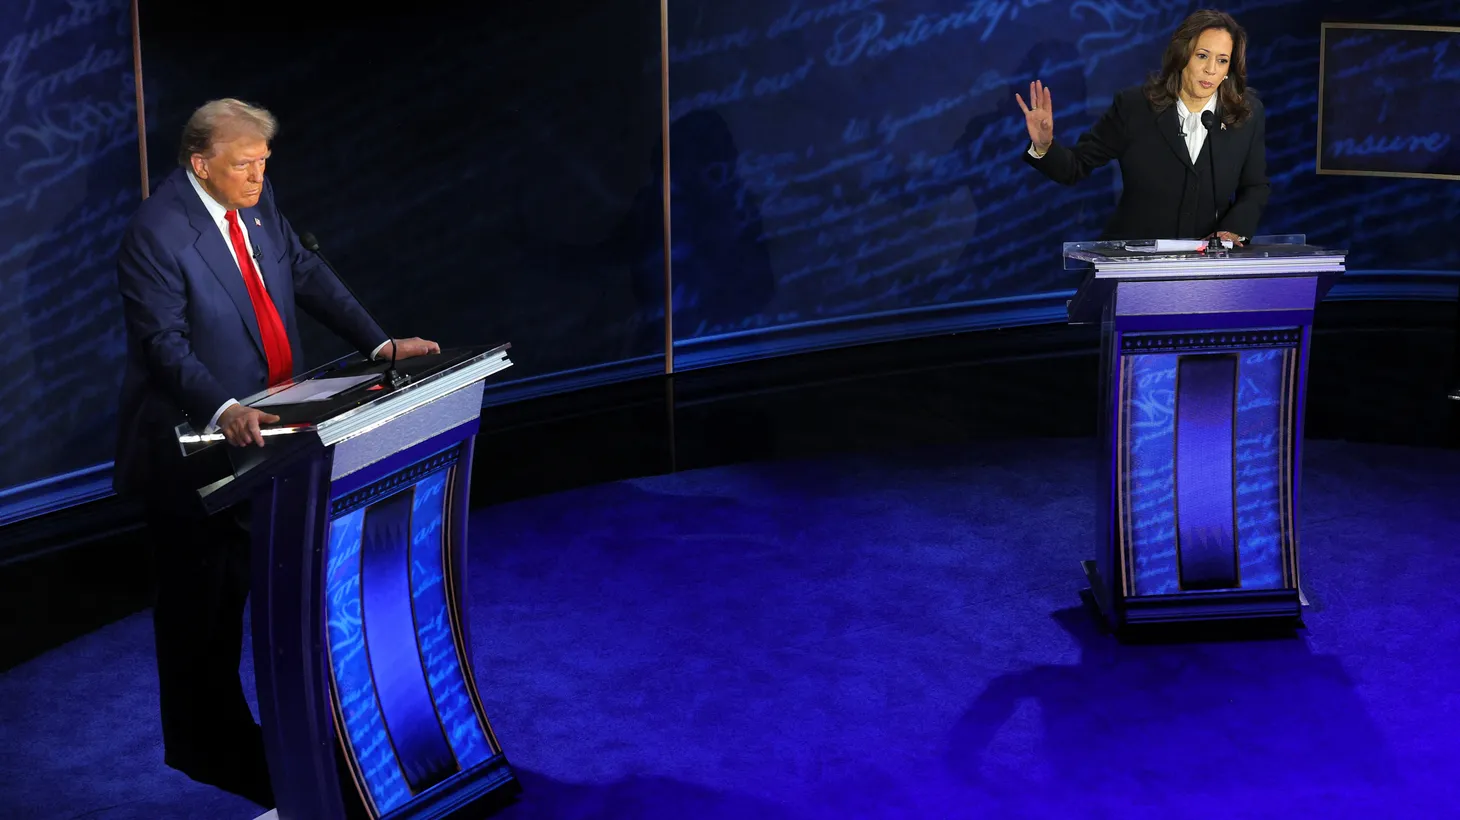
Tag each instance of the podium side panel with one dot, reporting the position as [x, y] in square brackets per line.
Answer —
[1105, 573]
[290, 516]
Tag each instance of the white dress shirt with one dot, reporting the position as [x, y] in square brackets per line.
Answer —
[1191, 127]
[220, 220]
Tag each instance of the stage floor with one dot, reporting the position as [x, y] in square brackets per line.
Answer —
[892, 634]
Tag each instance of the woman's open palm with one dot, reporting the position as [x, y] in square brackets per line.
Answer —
[1038, 115]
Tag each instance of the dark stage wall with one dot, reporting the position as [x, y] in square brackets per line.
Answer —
[843, 171]
[69, 181]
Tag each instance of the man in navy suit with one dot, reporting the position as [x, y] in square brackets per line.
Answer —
[210, 274]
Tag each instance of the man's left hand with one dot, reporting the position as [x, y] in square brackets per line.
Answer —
[1231, 237]
[409, 348]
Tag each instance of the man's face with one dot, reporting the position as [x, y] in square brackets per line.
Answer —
[234, 173]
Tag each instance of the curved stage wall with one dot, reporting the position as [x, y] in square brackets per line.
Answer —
[841, 172]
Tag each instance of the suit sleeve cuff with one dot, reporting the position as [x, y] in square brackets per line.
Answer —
[375, 354]
[213, 425]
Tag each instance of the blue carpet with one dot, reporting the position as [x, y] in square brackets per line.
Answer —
[882, 635]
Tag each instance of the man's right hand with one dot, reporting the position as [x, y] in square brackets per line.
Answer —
[240, 425]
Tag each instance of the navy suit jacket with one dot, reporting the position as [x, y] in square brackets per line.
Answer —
[192, 338]
[1164, 195]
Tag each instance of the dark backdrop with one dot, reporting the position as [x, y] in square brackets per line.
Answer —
[476, 174]
[69, 179]
[868, 155]
[843, 171]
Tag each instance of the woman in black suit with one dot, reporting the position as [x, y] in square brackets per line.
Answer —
[1167, 157]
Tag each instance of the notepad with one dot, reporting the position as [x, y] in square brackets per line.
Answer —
[1167, 246]
[313, 390]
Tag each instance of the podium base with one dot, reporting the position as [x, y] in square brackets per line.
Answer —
[1097, 592]
[1266, 606]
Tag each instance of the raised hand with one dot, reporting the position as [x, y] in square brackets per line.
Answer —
[1038, 116]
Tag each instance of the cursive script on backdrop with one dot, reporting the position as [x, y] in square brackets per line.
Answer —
[1372, 78]
[883, 167]
[69, 161]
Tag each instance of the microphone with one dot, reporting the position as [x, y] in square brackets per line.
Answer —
[395, 378]
[1209, 122]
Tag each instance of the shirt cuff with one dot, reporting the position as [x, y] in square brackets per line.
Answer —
[1036, 154]
[213, 425]
[375, 354]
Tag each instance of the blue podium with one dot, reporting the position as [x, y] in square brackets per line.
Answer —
[1204, 358]
[362, 654]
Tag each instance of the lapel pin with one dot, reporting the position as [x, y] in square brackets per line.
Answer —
[260, 224]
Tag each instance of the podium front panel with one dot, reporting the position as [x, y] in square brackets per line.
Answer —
[406, 709]
[375, 441]
[1204, 472]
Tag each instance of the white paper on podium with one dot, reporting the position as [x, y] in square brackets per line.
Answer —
[1168, 246]
[313, 390]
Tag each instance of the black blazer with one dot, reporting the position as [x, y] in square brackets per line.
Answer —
[1165, 195]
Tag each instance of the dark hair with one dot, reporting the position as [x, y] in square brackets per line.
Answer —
[1164, 88]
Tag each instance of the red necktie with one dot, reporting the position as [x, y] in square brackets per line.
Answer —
[271, 328]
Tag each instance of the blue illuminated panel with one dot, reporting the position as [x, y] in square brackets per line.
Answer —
[434, 625]
[390, 634]
[354, 686]
[412, 728]
[1261, 396]
[1206, 398]
[1150, 480]
[1254, 436]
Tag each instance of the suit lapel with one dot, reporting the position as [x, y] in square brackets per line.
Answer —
[1217, 142]
[1168, 122]
[219, 256]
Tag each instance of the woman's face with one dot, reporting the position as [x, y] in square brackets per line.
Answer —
[1208, 66]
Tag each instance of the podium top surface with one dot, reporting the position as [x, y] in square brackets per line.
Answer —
[227, 474]
[1263, 255]
[368, 399]
[1245, 279]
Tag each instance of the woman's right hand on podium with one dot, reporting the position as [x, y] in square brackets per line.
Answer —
[1038, 116]
[240, 425]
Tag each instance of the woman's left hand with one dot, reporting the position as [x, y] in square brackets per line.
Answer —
[1230, 237]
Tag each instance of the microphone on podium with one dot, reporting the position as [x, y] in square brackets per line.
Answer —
[394, 377]
[1209, 122]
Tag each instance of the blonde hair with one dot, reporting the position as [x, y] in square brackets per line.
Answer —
[215, 116]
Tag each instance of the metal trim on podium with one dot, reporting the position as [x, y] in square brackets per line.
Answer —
[366, 686]
[1204, 359]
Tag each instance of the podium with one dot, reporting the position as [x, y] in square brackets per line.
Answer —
[1204, 358]
[359, 502]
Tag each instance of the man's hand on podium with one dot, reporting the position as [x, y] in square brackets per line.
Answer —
[408, 348]
[240, 425]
